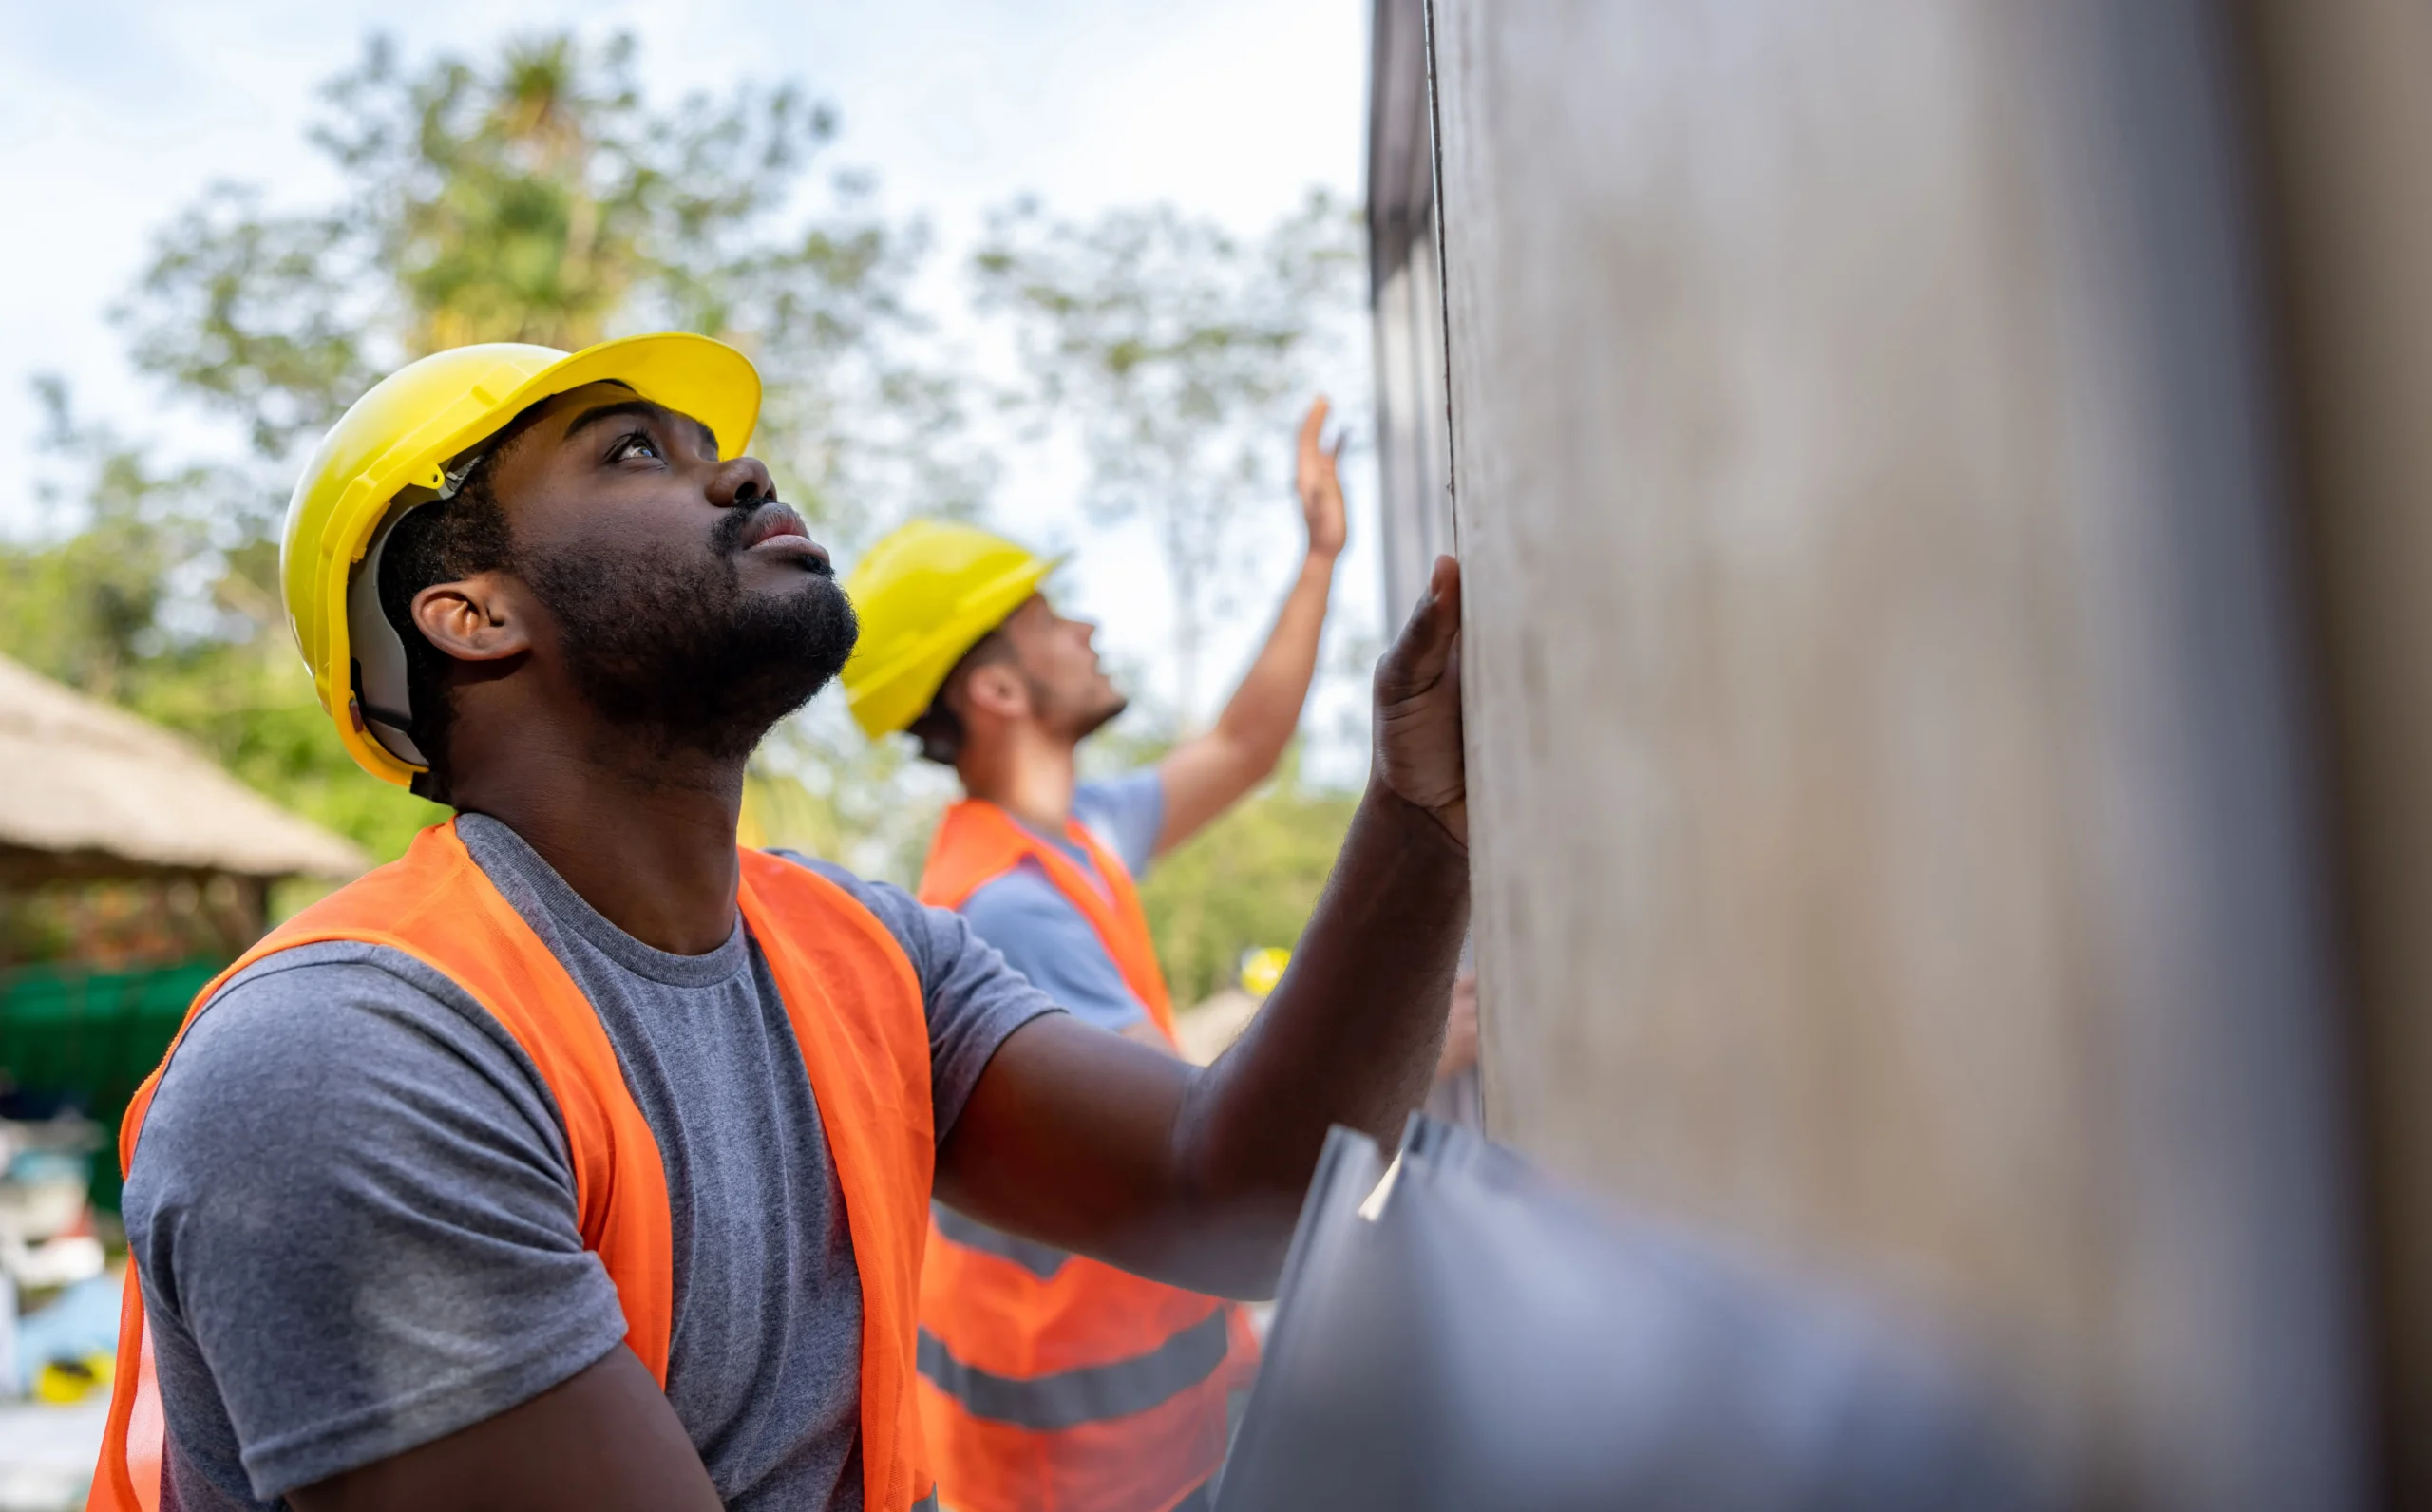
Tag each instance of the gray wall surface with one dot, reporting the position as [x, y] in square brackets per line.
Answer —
[1894, 775]
[2344, 118]
[1407, 304]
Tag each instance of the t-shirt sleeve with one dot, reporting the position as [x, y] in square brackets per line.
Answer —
[973, 999]
[1126, 813]
[1043, 937]
[355, 1220]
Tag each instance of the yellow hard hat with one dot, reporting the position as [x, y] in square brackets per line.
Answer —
[924, 595]
[393, 449]
[1263, 969]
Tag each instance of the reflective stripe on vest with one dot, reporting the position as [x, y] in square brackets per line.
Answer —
[1089, 1394]
[1052, 1382]
[855, 1006]
[1042, 1261]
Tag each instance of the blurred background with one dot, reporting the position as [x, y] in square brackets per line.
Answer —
[1942, 499]
[1076, 272]
[1073, 269]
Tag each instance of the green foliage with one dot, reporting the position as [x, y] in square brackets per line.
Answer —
[1246, 881]
[86, 608]
[168, 602]
[537, 196]
[817, 786]
[540, 195]
[1179, 355]
[251, 705]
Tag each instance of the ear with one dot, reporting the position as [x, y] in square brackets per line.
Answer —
[480, 618]
[998, 688]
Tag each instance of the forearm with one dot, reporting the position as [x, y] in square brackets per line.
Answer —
[1264, 712]
[1349, 1036]
[1204, 777]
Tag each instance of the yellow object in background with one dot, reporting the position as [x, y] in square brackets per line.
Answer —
[1263, 969]
[65, 1383]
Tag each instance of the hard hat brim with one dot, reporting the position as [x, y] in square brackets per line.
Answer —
[697, 376]
[693, 375]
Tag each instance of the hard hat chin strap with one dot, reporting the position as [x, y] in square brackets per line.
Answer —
[453, 477]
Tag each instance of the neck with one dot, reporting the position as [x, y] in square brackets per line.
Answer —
[1029, 773]
[646, 838]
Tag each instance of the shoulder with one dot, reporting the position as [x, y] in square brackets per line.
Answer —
[971, 998]
[318, 1019]
[325, 1043]
[1133, 789]
[354, 1219]
[920, 932]
[330, 1077]
[1127, 813]
[955, 966]
[1026, 916]
[1045, 938]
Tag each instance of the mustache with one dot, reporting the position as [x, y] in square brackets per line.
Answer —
[734, 527]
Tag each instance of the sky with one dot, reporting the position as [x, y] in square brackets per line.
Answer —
[116, 114]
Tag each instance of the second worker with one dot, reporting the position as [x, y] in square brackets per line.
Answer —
[1052, 1382]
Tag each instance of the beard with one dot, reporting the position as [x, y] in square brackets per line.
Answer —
[679, 653]
[1092, 720]
[1072, 718]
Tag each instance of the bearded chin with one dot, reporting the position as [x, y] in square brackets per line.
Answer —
[1103, 716]
[687, 660]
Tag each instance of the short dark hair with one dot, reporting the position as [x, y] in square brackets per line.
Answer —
[440, 543]
[939, 729]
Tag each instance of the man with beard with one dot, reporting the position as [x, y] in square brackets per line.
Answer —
[579, 1160]
[961, 648]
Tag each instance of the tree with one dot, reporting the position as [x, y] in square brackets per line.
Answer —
[1179, 354]
[84, 609]
[538, 194]
[166, 601]
[543, 199]
[538, 197]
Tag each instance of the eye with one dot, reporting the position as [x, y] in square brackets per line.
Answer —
[633, 443]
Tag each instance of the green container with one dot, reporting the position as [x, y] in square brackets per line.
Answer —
[91, 1037]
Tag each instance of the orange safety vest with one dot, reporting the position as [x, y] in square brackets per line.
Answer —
[856, 1012]
[1049, 1382]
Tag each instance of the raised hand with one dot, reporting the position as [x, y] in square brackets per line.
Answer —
[1321, 489]
[1419, 707]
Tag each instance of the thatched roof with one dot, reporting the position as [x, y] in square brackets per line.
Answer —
[89, 789]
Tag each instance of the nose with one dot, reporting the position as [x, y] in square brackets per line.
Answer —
[741, 484]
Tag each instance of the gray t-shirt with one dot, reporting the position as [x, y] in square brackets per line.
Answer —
[353, 1213]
